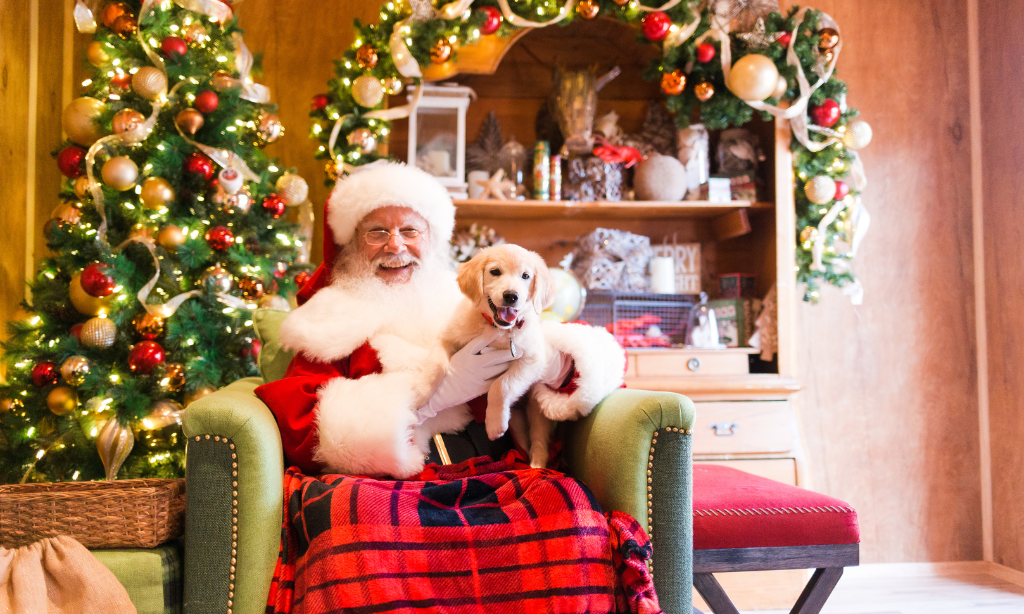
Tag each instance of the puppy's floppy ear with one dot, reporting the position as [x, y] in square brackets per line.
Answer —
[470, 277]
[543, 290]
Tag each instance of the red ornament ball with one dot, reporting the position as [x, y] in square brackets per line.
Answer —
[70, 160]
[784, 39]
[45, 373]
[826, 114]
[96, 281]
[301, 278]
[145, 356]
[492, 19]
[206, 101]
[842, 190]
[219, 238]
[274, 205]
[319, 102]
[173, 47]
[655, 25]
[199, 164]
[705, 52]
[251, 349]
[76, 331]
[122, 81]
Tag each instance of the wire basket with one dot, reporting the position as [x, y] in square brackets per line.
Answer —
[640, 320]
[119, 514]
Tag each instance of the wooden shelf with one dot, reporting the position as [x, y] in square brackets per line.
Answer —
[600, 210]
[700, 387]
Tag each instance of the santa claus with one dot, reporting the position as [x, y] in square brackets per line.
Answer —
[363, 394]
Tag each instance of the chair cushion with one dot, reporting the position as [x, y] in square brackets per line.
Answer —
[152, 577]
[273, 358]
[734, 509]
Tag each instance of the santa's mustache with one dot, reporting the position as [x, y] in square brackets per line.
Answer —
[395, 261]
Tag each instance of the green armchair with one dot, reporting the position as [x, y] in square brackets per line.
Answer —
[633, 451]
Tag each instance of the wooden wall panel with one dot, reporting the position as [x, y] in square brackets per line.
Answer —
[890, 410]
[1001, 46]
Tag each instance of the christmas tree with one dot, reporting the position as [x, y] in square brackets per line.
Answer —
[171, 230]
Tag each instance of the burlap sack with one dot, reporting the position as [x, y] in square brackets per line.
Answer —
[57, 575]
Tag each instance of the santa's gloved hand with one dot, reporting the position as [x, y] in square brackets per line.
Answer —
[556, 369]
[469, 375]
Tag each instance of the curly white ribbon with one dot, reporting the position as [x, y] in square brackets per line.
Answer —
[386, 114]
[84, 20]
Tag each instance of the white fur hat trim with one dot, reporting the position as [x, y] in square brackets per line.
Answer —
[390, 184]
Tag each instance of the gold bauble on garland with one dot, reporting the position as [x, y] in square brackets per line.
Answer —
[753, 77]
[81, 187]
[174, 377]
[74, 369]
[156, 193]
[292, 188]
[79, 120]
[673, 82]
[858, 134]
[393, 85]
[112, 11]
[222, 80]
[366, 56]
[120, 173]
[96, 55]
[588, 9]
[269, 130]
[125, 26]
[809, 233]
[251, 287]
[331, 169]
[126, 120]
[86, 304]
[828, 38]
[189, 120]
[66, 213]
[820, 190]
[704, 91]
[62, 400]
[113, 444]
[367, 91]
[98, 333]
[149, 83]
[149, 326]
[441, 51]
[171, 238]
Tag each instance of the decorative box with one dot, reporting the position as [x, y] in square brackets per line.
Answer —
[590, 179]
[736, 285]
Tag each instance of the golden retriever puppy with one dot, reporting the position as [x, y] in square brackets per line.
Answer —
[506, 287]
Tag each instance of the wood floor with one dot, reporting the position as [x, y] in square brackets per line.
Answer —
[926, 588]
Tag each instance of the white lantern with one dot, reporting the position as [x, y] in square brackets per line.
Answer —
[437, 135]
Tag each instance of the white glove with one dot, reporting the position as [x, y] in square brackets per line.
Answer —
[557, 369]
[469, 375]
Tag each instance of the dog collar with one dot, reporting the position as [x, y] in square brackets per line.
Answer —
[490, 320]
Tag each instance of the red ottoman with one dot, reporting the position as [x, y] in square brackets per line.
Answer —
[742, 522]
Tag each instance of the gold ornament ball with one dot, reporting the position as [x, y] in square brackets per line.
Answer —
[112, 11]
[393, 85]
[270, 129]
[820, 190]
[363, 139]
[120, 173]
[781, 88]
[74, 369]
[62, 400]
[126, 120]
[828, 38]
[673, 82]
[149, 82]
[156, 193]
[858, 134]
[81, 187]
[79, 120]
[367, 91]
[366, 56]
[171, 238]
[113, 444]
[125, 26]
[704, 91]
[66, 214]
[292, 188]
[86, 304]
[275, 301]
[7, 405]
[753, 77]
[440, 51]
[198, 393]
[174, 377]
[95, 54]
[98, 333]
[222, 80]
[332, 171]
[588, 9]
[189, 120]
[251, 287]
[809, 233]
[148, 326]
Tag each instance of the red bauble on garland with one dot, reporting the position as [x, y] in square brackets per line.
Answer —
[96, 281]
[274, 205]
[705, 52]
[251, 349]
[319, 102]
[842, 190]
[301, 278]
[655, 25]
[826, 114]
[784, 39]
[206, 101]
[145, 356]
[45, 373]
[219, 238]
[76, 331]
[122, 81]
[70, 160]
[199, 164]
[492, 19]
[173, 47]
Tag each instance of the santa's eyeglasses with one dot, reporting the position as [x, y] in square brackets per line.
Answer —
[378, 237]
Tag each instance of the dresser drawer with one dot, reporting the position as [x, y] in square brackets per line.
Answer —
[745, 427]
[685, 362]
[778, 469]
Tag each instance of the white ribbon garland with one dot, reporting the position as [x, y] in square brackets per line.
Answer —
[386, 114]
[253, 92]
[84, 20]
[521, 22]
[404, 62]
[680, 36]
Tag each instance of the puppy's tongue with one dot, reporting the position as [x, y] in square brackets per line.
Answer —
[506, 314]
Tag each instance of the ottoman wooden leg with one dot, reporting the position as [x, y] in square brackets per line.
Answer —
[814, 595]
[713, 594]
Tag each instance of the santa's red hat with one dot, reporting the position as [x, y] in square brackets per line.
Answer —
[381, 184]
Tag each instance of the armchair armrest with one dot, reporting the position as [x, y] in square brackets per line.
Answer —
[634, 453]
[234, 472]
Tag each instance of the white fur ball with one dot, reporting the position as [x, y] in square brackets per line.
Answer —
[660, 178]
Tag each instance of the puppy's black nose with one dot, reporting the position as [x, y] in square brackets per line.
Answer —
[510, 297]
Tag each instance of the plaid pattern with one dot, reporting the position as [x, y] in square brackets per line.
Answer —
[170, 567]
[480, 536]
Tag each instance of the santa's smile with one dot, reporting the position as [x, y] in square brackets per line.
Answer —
[504, 317]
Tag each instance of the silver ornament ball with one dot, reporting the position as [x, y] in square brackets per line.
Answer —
[216, 279]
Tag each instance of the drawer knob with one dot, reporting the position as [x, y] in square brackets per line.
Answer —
[693, 364]
[724, 429]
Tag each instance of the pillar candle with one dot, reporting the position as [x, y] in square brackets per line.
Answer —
[663, 275]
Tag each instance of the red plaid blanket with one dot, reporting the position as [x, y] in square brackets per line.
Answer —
[481, 536]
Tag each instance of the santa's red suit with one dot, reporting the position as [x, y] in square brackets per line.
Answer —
[363, 361]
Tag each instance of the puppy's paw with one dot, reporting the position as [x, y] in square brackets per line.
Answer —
[537, 462]
[496, 427]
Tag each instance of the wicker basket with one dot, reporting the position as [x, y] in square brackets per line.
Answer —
[118, 514]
